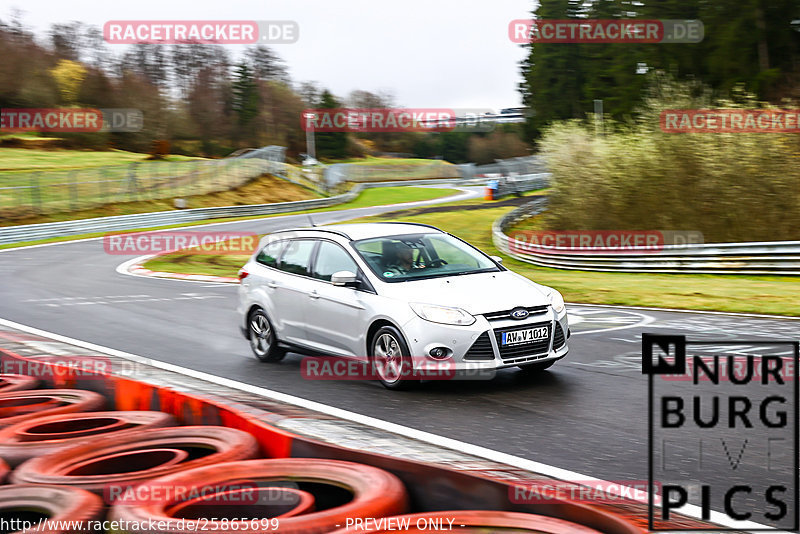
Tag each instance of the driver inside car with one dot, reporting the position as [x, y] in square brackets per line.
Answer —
[403, 259]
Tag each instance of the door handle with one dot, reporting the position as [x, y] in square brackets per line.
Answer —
[314, 294]
[272, 285]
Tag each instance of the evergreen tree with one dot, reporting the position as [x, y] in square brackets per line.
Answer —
[331, 145]
[245, 99]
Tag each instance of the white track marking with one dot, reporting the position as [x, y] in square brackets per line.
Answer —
[420, 435]
[645, 320]
[676, 310]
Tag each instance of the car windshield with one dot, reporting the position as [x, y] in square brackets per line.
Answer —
[414, 256]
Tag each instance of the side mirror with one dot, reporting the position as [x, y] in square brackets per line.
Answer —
[496, 259]
[344, 279]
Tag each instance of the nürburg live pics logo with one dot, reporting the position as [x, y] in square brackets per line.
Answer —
[723, 433]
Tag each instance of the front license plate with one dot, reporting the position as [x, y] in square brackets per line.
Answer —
[529, 335]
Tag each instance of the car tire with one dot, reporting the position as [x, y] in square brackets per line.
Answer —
[535, 368]
[391, 359]
[262, 338]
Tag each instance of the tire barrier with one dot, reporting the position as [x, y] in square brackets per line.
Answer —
[19, 406]
[9, 383]
[45, 435]
[33, 503]
[4, 470]
[341, 490]
[113, 464]
[312, 495]
[277, 502]
[476, 522]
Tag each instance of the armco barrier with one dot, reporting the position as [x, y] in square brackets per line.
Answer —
[430, 487]
[766, 258]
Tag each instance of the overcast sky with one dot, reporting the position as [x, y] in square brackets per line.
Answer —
[428, 53]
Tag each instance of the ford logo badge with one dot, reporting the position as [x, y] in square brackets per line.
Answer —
[519, 313]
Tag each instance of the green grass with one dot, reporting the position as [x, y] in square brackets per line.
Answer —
[188, 263]
[371, 160]
[377, 197]
[732, 293]
[18, 159]
[381, 196]
[745, 294]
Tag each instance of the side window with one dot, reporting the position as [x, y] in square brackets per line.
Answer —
[297, 256]
[270, 253]
[332, 258]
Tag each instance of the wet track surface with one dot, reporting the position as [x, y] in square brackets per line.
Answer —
[587, 414]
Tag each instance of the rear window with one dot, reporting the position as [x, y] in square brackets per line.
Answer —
[269, 254]
[297, 256]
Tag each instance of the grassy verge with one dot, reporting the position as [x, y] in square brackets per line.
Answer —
[745, 294]
[189, 263]
[18, 159]
[262, 190]
[370, 197]
[371, 160]
[380, 196]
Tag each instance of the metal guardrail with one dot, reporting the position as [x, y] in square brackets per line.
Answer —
[516, 185]
[770, 258]
[33, 232]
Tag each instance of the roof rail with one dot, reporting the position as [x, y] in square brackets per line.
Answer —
[314, 229]
[412, 224]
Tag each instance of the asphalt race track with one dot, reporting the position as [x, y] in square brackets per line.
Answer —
[587, 414]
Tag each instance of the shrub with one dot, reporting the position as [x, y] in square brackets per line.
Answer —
[633, 176]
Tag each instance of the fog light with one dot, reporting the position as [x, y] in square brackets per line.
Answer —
[439, 353]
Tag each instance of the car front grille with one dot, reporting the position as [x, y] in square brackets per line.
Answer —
[481, 350]
[524, 352]
[558, 338]
[506, 314]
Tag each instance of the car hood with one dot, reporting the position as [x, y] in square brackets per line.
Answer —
[476, 293]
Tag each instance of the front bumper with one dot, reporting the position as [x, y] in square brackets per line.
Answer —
[423, 335]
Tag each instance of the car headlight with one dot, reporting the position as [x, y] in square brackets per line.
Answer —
[443, 314]
[557, 301]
